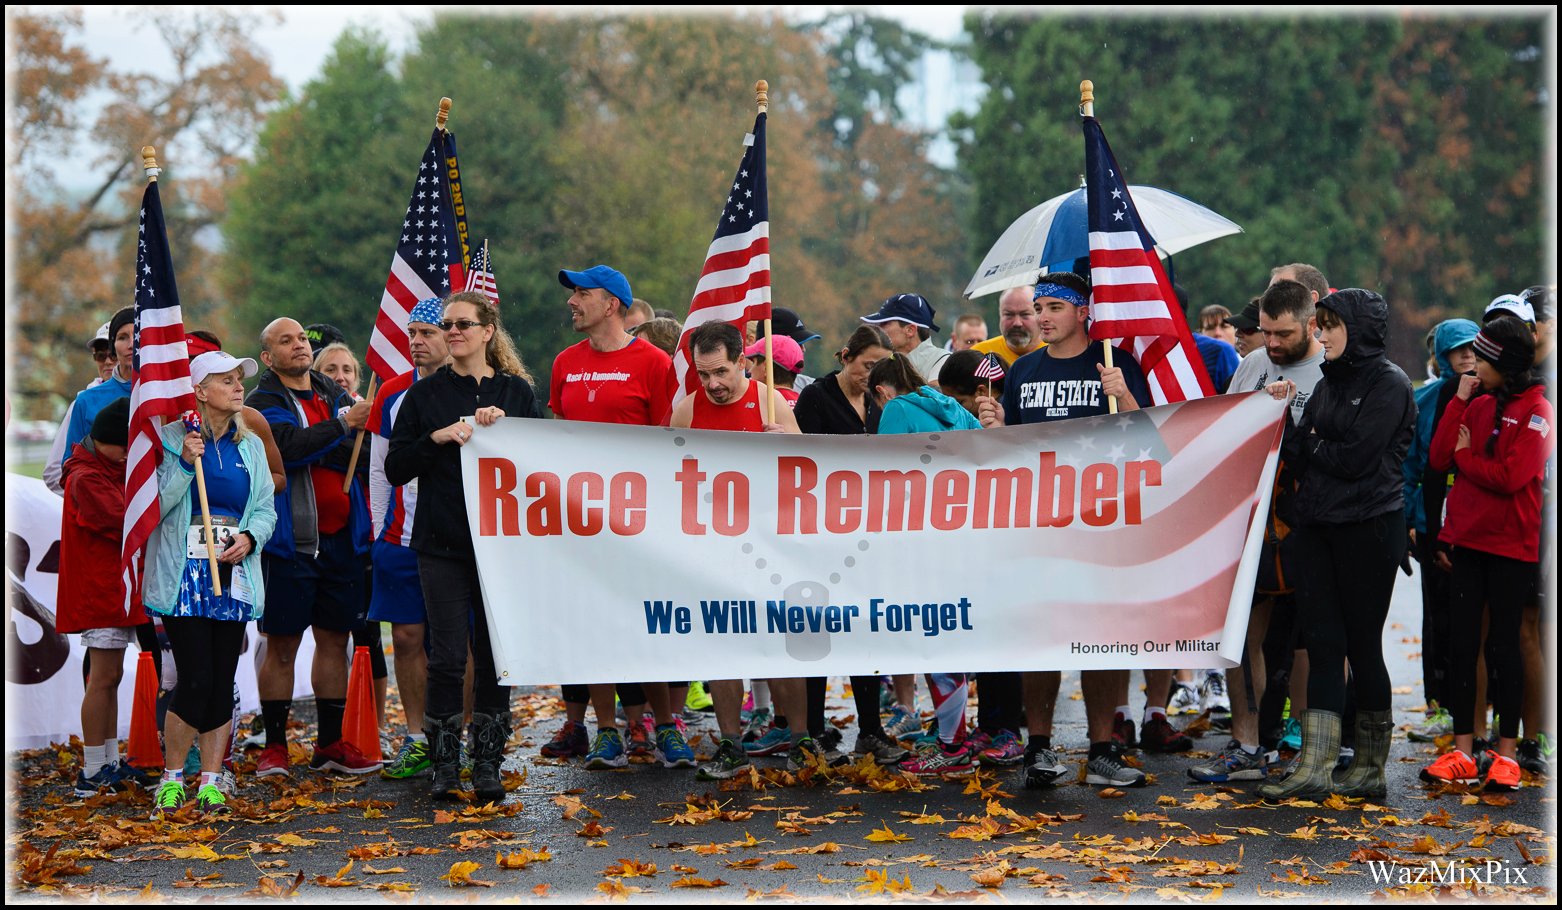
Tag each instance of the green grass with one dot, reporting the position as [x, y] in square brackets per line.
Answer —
[26, 469]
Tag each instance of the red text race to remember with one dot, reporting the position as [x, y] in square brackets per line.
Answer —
[585, 504]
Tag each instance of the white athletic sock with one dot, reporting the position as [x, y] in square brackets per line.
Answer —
[1151, 712]
[173, 775]
[111, 751]
[761, 692]
[92, 759]
[1251, 750]
[417, 736]
[210, 777]
[1124, 712]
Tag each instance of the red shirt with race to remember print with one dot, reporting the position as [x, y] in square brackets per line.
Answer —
[331, 504]
[632, 385]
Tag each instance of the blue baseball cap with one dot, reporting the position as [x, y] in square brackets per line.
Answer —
[912, 308]
[600, 276]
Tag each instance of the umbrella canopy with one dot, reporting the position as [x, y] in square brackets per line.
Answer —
[1054, 234]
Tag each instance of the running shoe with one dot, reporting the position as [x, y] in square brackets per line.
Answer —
[640, 739]
[1212, 694]
[805, 754]
[1452, 767]
[570, 741]
[412, 761]
[256, 739]
[103, 779]
[758, 721]
[672, 749]
[938, 761]
[729, 762]
[1438, 723]
[902, 723]
[1043, 767]
[1530, 758]
[1502, 773]
[273, 761]
[1291, 765]
[830, 739]
[775, 740]
[976, 741]
[127, 774]
[168, 799]
[1159, 735]
[1184, 700]
[210, 800]
[342, 756]
[1291, 741]
[1548, 748]
[1123, 732]
[1108, 769]
[607, 752]
[885, 751]
[748, 707]
[1006, 750]
[698, 698]
[227, 782]
[1233, 763]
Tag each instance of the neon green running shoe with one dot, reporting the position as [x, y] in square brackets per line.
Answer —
[411, 761]
[699, 699]
[168, 799]
[210, 800]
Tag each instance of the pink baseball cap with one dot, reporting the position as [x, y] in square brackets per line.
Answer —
[788, 353]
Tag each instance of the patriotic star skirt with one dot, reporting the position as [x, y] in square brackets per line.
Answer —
[197, 599]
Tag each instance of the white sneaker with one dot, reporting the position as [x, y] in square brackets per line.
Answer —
[1212, 694]
[1184, 700]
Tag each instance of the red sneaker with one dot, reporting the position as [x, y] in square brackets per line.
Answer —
[342, 756]
[273, 762]
[1452, 767]
[1159, 735]
[1503, 774]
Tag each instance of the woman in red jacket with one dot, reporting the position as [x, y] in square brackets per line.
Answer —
[91, 596]
[1499, 443]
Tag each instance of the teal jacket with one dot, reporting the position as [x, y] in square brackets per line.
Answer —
[926, 410]
[165, 550]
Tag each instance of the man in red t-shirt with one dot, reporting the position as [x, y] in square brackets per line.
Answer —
[612, 377]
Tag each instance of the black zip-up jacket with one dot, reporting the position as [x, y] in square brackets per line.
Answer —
[301, 446]
[432, 403]
[822, 408]
[1349, 449]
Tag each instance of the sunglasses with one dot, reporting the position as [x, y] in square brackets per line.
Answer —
[465, 325]
[102, 356]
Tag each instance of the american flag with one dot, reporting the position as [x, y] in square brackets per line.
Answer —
[428, 262]
[989, 369]
[735, 284]
[480, 277]
[1132, 300]
[160, 388]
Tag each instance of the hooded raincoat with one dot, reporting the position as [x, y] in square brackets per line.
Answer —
[1425, 489]
[926, 410]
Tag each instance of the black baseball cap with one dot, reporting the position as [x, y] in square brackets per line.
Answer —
[787, 322]
[1245, 321]
[322, 335]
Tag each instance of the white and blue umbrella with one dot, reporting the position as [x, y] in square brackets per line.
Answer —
[1054, 234]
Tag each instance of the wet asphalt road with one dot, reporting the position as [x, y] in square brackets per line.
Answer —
[1055, 842]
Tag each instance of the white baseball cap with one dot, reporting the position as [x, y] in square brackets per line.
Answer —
[1511, 303]
[219, 362]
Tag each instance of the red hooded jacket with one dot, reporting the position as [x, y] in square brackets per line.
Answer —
[1494, 506]
[91, 592]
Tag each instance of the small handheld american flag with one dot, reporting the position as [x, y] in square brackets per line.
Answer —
[480, 277]
[989, 369]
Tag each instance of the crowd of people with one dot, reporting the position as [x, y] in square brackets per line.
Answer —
[1374, 473]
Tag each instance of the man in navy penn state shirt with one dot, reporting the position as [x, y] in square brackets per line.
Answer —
[1066, 379]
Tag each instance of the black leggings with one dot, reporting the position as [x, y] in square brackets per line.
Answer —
[628, 693]
[1436, 616]
[1501, 587]
[456, 621]
[368, 636]
[207, 654]
[865, 693]
[998, 706]
[1342, 598]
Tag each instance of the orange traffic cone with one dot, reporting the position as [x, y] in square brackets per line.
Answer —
[361, 722]
[144, 750]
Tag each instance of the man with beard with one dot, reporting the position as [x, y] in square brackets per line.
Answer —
[313, 576]
[1291, 353]
[1017, 326]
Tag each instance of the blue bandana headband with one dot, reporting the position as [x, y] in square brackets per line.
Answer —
[1059, 291]
[427, 311]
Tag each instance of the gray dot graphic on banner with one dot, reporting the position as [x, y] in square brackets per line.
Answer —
[775, 579]
[759, 563]
[835, 578]
[748, 548]
[863, 545]
[935, 437]
[807, 645]
[850, 561]
[927, 459]
[679, 440]
[708, 496]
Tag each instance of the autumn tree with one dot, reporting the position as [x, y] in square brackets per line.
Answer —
[78, 126]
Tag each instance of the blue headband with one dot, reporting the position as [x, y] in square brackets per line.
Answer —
[1059, 291]
[428, 311]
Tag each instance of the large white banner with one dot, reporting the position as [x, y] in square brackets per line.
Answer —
[610, 553]
[43, 683]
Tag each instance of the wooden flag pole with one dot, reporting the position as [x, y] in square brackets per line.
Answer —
[440, 119]
[762, 101]
[149, 163]
[1087, 108]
